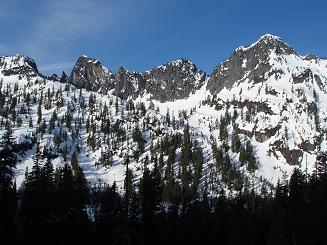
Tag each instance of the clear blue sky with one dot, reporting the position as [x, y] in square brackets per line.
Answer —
[141, 34]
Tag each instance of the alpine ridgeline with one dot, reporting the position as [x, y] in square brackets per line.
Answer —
[260, 113]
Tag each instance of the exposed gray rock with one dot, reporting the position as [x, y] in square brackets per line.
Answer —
[265, 134]
[63, 78]
[305, 76]
[89, 73]
[54, 77]
[251, 62]
[253, 106]
[310, 57]
[20, 65]
[174, 80]
[319, 82]
[128, 83]
[307, 146]
[292, 156]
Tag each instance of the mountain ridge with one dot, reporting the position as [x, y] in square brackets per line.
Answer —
[265, 99]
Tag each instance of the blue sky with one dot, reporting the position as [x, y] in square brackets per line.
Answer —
[141, 34]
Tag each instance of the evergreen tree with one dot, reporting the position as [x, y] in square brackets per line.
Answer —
[7, 162]
[69, 117]
[149, 194]
[296, 208]
[79, 184]
[142, 109]
[198, 163]
[39, 113]
[321, 165]
[32, 207]
[52, 122]
[278, 229]
[317, 213]
[221, 217]
[168, 117]
[109, 214]
[185, 161]
[236, 142]
[137, 137]
[8, 200]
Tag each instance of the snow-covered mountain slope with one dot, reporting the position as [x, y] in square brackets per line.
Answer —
[18, 65]
[261, 113]
[285, 97]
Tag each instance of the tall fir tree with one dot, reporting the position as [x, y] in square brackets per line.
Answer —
[8, 201]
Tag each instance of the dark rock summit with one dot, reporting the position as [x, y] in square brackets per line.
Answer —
[128, 83]
[172, 81]
[247, 63]
[63, 78]
[90, 74]
[20, 65]
[277, 100]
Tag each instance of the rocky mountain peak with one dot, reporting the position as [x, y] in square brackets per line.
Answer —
[248, 63]
[123, 69]
[19, 65]
[128, 83]
[310, 57]
[274, 106]
[279, 86]
[89, 73]
[167, 82]
[63, 78]
[174, 80]
[171, 81]
[180, 65]
[266, 44]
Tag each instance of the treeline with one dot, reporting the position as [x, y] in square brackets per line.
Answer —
[57, 206]
[175, 201]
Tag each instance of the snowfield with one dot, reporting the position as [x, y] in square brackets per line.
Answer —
[287, 123]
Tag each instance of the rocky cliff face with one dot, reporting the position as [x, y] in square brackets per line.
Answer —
[89, 73]
[19, 65]
[265, 97]
[250, 63]
[174, 80]
[169, 82]
[64, 78]
[128, 83]
[278, 95]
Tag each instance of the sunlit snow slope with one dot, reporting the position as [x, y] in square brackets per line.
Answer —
[274, 98]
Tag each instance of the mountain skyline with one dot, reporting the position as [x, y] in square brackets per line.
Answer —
[261, 85]
[163, 122]
[52, 68]
[144, 34]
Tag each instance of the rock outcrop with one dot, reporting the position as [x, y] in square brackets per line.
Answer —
[250, 63]
[22, 66]
[128, 83]
[172, 81]
[90, 74]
